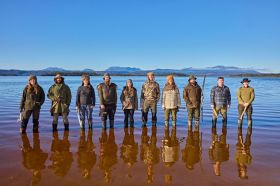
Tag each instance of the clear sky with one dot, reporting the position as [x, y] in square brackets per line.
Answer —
[139, 33]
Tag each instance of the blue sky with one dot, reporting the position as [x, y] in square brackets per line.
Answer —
[139, 33]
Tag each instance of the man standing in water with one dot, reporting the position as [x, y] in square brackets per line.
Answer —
[150, 95]
[220, 101]
[192, 96]
[60, 95]
[245, 96]
[108, 100]
[33, 97]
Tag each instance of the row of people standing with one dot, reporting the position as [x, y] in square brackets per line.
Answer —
[59, 93]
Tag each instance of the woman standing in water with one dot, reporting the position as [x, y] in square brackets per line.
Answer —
[33, 97]
[171, 100]
[129, 100]
[85, 101]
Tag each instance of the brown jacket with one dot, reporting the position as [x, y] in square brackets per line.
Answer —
[192, 95]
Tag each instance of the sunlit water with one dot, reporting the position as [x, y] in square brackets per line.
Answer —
[137, 159]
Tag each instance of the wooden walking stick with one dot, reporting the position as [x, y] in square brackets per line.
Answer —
[241, 117]
[215, 112]
[202, 98]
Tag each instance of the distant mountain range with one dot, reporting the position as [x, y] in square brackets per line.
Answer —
[125, 71]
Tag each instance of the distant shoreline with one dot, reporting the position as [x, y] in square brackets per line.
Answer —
[162, 74]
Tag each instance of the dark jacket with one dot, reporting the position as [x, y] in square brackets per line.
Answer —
[107, 94]
[85, 96]
[192, 95]
[32, 99]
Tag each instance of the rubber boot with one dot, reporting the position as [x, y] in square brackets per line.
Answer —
[111, 124]
[166, 123]
[214, 123]
[250, 123]
[196, 125]
[90, 124]
[22, 130]
[35, 126]
[189, 124]
[144, 116]
[173, 123]
[66, 126]
[104, 125]
[132, 124]
[54, 127]
[224, 121]
[125, 123]
[154, 118]
[82, 124]
[239, 123]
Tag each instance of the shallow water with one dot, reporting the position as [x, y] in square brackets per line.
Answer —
[141, 157]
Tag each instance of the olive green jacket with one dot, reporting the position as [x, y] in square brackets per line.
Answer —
[31, 100]
[245, 95]
[63, 92]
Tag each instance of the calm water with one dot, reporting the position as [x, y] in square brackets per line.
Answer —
[139, 157]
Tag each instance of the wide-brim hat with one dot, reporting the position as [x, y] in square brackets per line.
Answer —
[245, 80]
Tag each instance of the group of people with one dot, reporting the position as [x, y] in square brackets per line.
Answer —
[59, 93]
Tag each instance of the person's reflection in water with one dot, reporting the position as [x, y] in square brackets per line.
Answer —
[169, 150]
[86, 153]
[61, 157]
[219, 150]
[149, 152]
[33, 157]
[129, 148]
[108, 153]
[193, 149]
[242, 154]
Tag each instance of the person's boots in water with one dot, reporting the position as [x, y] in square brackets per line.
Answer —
[90, 124]
[154, 119]
[250, 123]
[214, 123]
[224, 121]
[54, 125]
[125, 123]
[23, 126]
[66, 126]
[189, 124]
[239, 123]
[111, 124]
[82, 124]
[104, 124]
[144, 119]
[196, 125]
[173, 123]
[166, 123]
